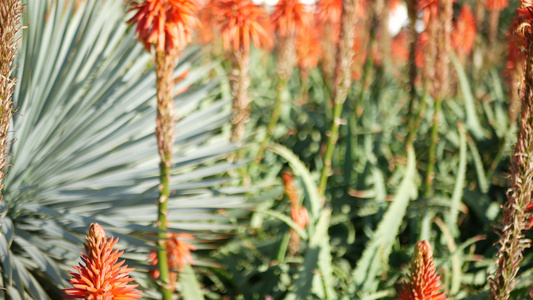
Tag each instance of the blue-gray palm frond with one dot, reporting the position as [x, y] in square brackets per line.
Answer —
[85, 149]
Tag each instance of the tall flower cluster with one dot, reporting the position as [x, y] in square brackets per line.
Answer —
[423, 283]
[242, 22]
[100, 276]
[329, 15]
[515, 211]
[167, 26]
[10, 14]
[288, 19]
[342, 83]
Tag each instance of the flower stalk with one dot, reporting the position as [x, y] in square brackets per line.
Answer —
[288, 19]
[515, 211]
[165, 121]
[240, 81]
[440, 82]
[343, 80]
[411, 126]
[285, 65]
[10, 14]
[167, 27]
[242, 23]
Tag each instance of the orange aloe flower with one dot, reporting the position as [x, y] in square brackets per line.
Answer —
[178, 253]
[208, 22]
[308, 49]
[242, 21]
[400, 47]
[464, 33]
[166, 24]
[290, 16]
[423, 283]
[300, 216]
[430, 9]
[496, 5]
[422, 42]
[100, 276]
[329, 10]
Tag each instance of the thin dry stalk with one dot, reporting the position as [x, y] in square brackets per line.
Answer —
[515, 216]
[285, 64]
[164, 67]
[10, 26]
[442, 72]
[240, 81]
[480, 13]
[512, 241]
[412, 12]
[494, 22]
[441, 27]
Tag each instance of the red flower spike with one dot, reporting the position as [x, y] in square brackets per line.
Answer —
[424, 283]
[464, 33]
[291, 16]
[496, 5]
[100, 276]
[166, 24]
[242, 21]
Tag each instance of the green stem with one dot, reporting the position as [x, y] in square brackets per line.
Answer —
[432, 148]
[162, 261]
[330, 146]
[165, 121]
[281, 89]
[343, 81]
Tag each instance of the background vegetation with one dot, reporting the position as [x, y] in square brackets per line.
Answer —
[84, 151]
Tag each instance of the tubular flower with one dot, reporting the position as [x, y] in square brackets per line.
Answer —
[308, 49]
[400, 47]
[497, 5]
[423, 283]
[300, 216]
[166, 24]
[329, 11]
[242, 21]
[100, 277]
[178, 253]
[207, 29]
[464, 33]
[430, 9]
[422, 43]
[290, 16]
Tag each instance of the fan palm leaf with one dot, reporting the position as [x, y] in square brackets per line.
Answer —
[85, 150]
